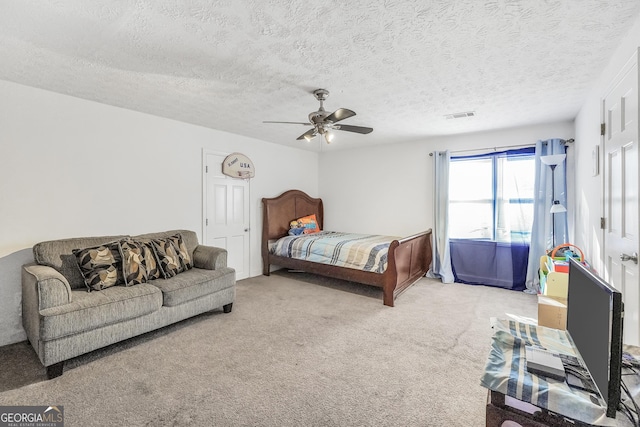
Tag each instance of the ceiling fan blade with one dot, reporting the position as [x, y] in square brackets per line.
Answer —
[357, 129]
[340, 114]
[291, 123]
[308, 135]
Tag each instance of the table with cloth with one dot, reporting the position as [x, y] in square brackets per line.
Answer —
[506, 373]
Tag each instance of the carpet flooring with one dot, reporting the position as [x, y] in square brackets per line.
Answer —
[297, 350]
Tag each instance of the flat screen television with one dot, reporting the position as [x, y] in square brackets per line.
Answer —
[594, 323]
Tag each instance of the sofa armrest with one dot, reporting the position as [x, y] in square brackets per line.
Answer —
[209, 258]
[45, 285]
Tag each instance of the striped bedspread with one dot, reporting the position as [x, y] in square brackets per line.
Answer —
[360, 251]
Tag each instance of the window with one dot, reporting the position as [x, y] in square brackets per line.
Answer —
[491, 196]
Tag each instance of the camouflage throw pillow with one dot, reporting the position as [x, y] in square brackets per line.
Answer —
[183, 252]
[100, 266]
[133, 262]
[168, 258]
[150, 260]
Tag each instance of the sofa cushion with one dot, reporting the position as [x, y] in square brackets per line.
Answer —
[134, 267]
[59, 255]
[150, 259]
[183, 252]
[92, 310]
[101, 266]
[168, 257]
[190, 238]
[193, 284]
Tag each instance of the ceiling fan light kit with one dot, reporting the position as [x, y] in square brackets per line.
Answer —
[324, 122]
[328, 136]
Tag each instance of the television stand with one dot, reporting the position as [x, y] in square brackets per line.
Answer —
[529, 399]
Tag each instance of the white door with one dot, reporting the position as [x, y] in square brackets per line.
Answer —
[620, 168]
[226, 207]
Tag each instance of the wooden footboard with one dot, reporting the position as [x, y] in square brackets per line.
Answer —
[408, 259]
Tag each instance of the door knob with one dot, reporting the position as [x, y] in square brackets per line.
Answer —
[633, 257]
[246, 229]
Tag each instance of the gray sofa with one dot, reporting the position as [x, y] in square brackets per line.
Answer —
[63, 320]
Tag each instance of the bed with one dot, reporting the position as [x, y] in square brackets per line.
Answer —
[407, 259]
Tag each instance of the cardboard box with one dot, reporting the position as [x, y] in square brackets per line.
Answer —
[552, 312]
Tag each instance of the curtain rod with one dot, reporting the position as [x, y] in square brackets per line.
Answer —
[568, 141]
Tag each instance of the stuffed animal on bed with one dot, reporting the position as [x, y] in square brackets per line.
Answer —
[296, 231]
[305, 225]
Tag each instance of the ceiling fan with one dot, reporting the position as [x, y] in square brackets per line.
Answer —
[324, 122]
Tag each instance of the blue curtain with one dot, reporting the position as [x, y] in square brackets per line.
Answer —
[483, 262]
[545, 223]
[441, 266]
[500, 262]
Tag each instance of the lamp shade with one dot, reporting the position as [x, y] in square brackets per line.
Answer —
[553, 160]
[556, 207]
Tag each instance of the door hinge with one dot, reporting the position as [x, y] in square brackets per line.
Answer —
[602, 222]
[206, 168]
[603, 127]
[206, 221]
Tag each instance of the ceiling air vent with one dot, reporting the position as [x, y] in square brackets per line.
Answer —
[460, 115]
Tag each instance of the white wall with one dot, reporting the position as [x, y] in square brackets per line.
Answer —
[388, 189]
[588, 235]
[71, 167]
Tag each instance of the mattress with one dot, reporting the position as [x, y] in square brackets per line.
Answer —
[366, 252]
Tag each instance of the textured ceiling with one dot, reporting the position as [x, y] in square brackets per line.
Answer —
[401, 65]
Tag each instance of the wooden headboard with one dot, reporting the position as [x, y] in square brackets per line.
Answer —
[278, 212]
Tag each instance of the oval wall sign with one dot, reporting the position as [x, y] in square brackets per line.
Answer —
[238, 165]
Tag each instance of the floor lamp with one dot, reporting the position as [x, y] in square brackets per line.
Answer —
[556, 207]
